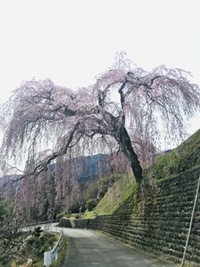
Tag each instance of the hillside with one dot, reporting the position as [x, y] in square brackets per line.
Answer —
[62, 188]
[156, 218]
[172, 163]
[117, 194]
[183, 158]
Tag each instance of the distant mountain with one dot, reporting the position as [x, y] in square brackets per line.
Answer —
[61, 187]
[92, 167]
[9, 185]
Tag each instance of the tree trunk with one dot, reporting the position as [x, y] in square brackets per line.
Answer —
[126, 147]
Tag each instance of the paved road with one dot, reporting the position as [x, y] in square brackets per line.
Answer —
[88, 248]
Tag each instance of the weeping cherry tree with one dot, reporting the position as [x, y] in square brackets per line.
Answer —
[126, 103]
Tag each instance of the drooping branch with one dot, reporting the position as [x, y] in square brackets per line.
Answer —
[116, 129]
[124, 102]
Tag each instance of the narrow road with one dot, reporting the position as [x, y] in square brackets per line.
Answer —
[89, 248]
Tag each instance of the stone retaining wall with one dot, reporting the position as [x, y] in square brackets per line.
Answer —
[157, 219]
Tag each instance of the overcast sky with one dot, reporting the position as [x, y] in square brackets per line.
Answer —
[72, 41]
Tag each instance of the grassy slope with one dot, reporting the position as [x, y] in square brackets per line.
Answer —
[183, 158]
[116, 194]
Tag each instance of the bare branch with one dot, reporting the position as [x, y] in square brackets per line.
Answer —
[125, 101]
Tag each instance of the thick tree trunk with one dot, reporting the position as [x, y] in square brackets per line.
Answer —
[126, 147]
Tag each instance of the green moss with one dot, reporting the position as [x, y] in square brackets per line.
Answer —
[181, 159]
[116, 195]
[89, 214]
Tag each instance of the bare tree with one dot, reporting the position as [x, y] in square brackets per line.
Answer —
[124, 100]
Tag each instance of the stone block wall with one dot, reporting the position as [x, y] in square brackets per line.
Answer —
[157, 218]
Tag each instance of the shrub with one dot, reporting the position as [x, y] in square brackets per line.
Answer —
[90, 204]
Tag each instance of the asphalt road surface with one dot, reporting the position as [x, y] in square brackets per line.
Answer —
[89, 248]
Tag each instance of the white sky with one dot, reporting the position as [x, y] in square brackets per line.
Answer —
[71, 41]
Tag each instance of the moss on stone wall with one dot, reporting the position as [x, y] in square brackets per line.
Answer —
[156, 217]
[183, 158]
